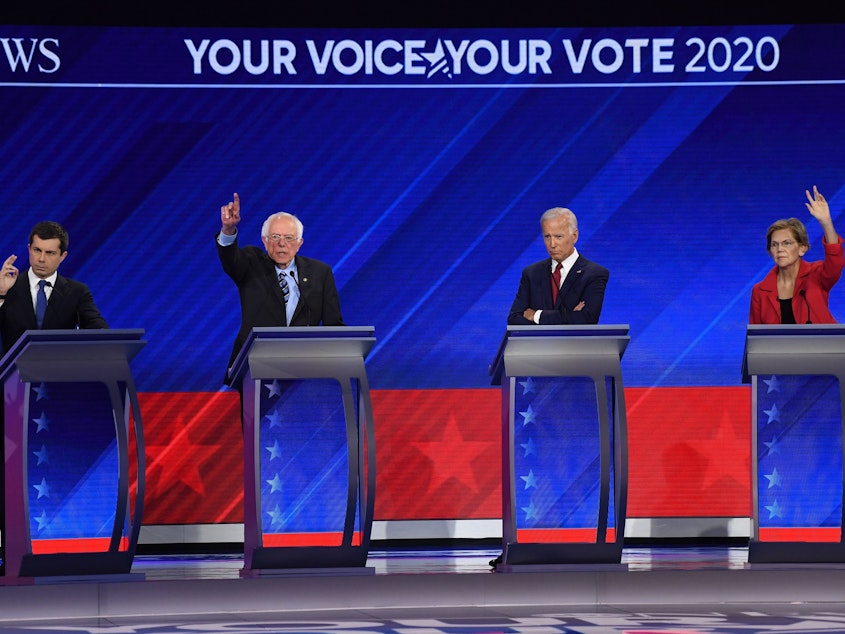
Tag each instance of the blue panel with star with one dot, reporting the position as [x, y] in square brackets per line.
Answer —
[799, 448]
[556, 453]
[303, 456]
[73, 461]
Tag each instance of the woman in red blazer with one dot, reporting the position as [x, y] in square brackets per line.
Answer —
[795, 291]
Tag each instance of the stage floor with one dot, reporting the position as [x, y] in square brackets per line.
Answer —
[426, 591]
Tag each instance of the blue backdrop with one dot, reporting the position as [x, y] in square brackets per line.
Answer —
[419, 161]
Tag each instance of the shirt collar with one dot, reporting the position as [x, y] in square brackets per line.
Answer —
[567, 263]
[291, 268]
[34, 279]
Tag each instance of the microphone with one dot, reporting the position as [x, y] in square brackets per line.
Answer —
[803, 293]
[302, 302]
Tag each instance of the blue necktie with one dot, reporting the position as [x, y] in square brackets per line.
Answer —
[285, 290]
[41, 302]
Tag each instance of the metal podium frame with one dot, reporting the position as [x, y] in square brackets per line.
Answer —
[801, 349]
[567, 351]
[71, 356]
[302, 353]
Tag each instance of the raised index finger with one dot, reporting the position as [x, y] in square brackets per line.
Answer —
[237, 203]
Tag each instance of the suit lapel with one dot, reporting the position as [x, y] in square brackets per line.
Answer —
[572, 279]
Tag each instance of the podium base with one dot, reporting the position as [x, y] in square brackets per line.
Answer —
[796, 552]
[250, 573]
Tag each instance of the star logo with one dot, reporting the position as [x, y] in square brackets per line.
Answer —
[274, 389]
[530, 512]
[276, 518]
[437, 62]
[275, 450]
[774, 510]
[773, 414]
[43, 489]
[528, 416]
[773, 478]
[41, 391]
[530, 480]
[773, 445]
[42, 455]
[274, 418]
[773, 383]
[529, 448]
[42, 422]
[275, 484]
[528, 386]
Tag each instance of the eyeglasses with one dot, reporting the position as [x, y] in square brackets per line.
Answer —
[786, 244]
[288, 240]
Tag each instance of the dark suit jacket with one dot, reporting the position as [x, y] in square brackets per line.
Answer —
[585, 282]
[262, 304]
[70, 306]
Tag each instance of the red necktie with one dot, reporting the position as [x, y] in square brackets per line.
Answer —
[556, 282]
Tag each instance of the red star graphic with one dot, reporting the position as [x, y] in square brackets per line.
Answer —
[728, 455]
[178, 460]
[452, 457]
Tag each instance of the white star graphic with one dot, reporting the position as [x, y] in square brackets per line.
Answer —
[773, 414]
[773, 478]
[774, 510]
[274, 388]
[773, 445]
[529, 448]
[41, 391]
[276, 517]
[527, 416]
[530, 480]
[43, 489]
[437, 60]
[275, 484]
[42, 521]
[275, 450]
[274, 418]
[530, 512]
[42, 422]
[42, 455]
[773, 383]
[528, 386]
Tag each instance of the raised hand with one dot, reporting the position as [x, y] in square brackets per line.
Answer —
[818, 207]
[230, 216]
[8, 274]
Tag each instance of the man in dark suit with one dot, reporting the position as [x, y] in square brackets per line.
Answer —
[68, 304]
[277, 287]
[565, 288]
[41, 299]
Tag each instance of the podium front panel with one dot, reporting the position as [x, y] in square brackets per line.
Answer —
[799, 457]
[309, 448]
[797, 376]
[557, 461]
[304, 463]
[73, 465]
[564, 450]
[74, 448]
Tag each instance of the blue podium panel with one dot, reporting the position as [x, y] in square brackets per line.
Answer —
[799, 449]
[564, 444]
[304, 463]
[309, 448]
[558, 460]
[73, 465]
[796, 375]
[71, 415]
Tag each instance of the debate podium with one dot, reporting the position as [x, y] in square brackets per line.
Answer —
[564, 444]
[797, 377]
[73, 451]
[309, 448]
